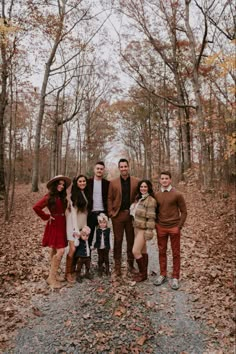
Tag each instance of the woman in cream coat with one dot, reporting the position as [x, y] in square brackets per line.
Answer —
[144, 215]
[76, 219]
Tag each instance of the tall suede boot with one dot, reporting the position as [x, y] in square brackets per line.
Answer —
[58, 276]
[51, 280]
[145, 262]
[69, 265]
[141, 275]
[131, 268]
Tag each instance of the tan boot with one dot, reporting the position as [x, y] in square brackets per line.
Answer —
[51, 280]
[51, 255]
[69, 264]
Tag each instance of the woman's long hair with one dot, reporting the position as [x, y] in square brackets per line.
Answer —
[149, 191]
[77, 197]
[53, 194]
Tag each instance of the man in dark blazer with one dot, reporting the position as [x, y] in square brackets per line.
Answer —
[97, 201]
[121, 194]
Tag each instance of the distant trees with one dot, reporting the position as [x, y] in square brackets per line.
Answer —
[60, 106]
[177, 61]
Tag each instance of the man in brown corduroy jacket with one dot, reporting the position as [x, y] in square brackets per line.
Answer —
[121, 195]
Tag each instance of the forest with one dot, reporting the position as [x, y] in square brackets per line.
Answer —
[149, 80]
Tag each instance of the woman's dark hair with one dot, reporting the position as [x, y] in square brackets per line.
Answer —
[149, 185]
[77, 197]
[53, 194]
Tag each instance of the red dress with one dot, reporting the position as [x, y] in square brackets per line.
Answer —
[55, 230]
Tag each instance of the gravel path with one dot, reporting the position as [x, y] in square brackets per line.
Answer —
[108, 316]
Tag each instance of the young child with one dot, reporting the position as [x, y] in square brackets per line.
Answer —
[83, 253]
[103, 243]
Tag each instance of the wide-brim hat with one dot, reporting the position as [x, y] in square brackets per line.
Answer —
[67, 180]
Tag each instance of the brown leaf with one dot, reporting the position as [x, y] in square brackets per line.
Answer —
[141, 340]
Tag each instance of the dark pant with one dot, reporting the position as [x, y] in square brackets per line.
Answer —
[103, 257]
[123, 222]
[92, 223]
[83, 261]
[162, 238]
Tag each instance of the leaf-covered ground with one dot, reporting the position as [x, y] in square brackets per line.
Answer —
[112, 316]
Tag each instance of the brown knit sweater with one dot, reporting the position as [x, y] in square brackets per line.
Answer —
[171, 208]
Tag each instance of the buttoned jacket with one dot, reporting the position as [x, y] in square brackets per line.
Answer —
[115, 194]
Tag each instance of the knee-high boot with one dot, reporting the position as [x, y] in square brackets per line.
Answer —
[141, 276]
[69, 265]
[51, 255]
[145, 261]
[51, 280]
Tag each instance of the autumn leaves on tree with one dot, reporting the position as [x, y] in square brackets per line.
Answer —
[61, 105]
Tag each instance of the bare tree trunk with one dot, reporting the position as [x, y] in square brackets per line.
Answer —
[35, 176]
[3, 103]
[205, 171]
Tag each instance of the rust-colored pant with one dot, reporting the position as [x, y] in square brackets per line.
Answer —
[162, 239]
[123, 222]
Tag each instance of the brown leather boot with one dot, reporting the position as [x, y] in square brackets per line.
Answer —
[131, 268]
[69, 264]
[145, 262]
[51, 280]
[141, 276]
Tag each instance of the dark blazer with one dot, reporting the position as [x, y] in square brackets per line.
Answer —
[105, 186]
[115, 194]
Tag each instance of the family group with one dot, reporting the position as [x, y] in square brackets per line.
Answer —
[78, 214]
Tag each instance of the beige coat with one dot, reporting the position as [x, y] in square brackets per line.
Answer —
[115, 194]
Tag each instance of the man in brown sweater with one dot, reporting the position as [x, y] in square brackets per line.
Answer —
[171, 216]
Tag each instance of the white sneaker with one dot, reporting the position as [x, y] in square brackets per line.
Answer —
[175, 284]
[160, 280]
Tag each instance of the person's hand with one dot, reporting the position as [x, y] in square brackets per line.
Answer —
[51, 218]
[76, 234]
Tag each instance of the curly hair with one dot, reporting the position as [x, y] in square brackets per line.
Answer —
[54, 193]
[149, 185]
[77, 196]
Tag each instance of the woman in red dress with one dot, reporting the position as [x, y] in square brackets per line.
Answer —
[55, 231]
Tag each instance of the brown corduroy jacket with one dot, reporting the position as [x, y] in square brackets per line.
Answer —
[115, 195]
